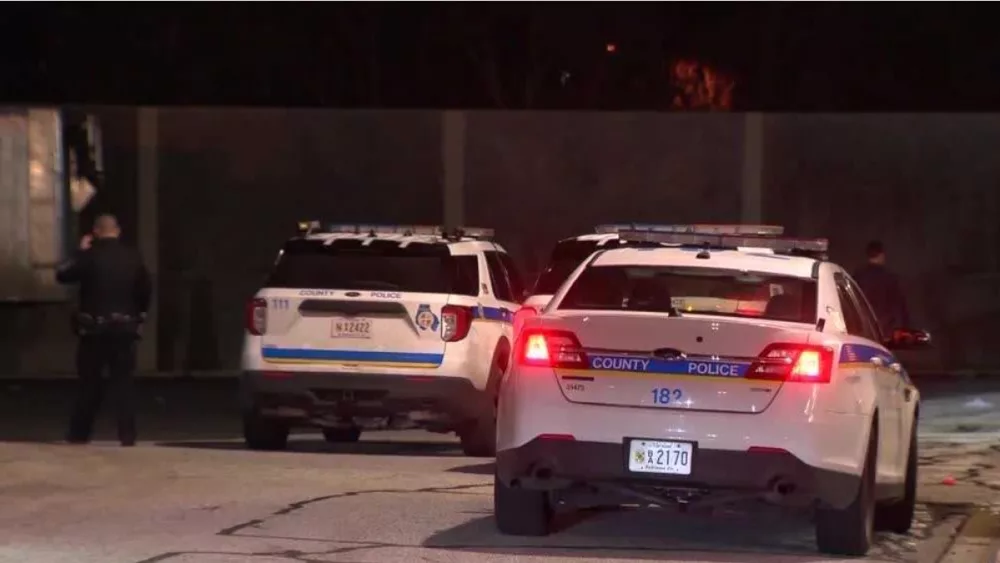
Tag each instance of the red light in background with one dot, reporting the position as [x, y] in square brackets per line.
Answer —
[611, 47]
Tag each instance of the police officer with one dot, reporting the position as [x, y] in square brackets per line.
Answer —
[115, 292]
[883, 290]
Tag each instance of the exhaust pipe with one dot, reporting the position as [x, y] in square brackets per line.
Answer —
[541, 473]
[784, 488]
[779, 490]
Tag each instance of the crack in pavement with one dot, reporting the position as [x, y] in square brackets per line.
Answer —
[299, 505]
[290, 554]
[973, 475]
[301, 556]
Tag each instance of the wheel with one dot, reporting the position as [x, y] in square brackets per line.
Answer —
[898, 516]
[338, 435]
[849, 531]
[479, 438]
[521, 512]
[261, 433]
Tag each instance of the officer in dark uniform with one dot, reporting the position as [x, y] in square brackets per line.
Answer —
[115, 292]
[883, 290]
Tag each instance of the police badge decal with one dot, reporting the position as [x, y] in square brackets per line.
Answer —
[425, 318]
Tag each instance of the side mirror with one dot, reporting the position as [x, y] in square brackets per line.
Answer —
[909, 339]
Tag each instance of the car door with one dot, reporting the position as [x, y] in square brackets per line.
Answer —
[867, 357]
[503, 290]
[897, 380]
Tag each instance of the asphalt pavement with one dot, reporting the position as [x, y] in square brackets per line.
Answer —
[190, 493]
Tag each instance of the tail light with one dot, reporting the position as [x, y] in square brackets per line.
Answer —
[256, 316]
[520, 316]
[455, 322]
[793, 362]
[550, 348]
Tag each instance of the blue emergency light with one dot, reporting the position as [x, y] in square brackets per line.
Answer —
[700, 229]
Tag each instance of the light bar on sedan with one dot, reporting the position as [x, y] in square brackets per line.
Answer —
[778, 245]
[700, 229]
[404, 230]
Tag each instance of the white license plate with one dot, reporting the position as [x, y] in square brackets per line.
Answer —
[659, 456]
[351, 328]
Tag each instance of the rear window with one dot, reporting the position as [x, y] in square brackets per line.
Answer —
[382, 265]
[704, 291]
[566, 256]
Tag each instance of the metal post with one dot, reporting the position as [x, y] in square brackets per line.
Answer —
[148, 227]
[453, 164]
[753, 168]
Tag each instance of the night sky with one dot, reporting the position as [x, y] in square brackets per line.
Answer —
[781, 56]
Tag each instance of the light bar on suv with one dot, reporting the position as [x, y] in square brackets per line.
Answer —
[309, 227]
[709, 241]
[704, 229]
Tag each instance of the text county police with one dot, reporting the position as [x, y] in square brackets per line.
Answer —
[643, 365]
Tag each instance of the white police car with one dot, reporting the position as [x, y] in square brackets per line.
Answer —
[364, 321]
[567, 254]
[643, 381]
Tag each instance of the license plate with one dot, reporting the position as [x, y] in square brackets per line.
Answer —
[659, 456]
[352, 328]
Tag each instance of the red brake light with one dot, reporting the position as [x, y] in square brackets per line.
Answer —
[748, 311]
[455, 322]
[536, 349]
[550, 348]
[256, 316]
[793, 362]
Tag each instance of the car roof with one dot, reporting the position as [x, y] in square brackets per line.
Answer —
[743, 259]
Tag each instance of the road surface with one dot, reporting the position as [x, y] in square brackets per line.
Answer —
[189, 493]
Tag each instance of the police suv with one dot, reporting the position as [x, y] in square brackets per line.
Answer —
[646, 380]
[394, 322]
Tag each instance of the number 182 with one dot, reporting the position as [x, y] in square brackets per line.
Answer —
[665, 396]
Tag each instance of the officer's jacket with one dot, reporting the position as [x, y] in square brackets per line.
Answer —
[883, 291]
[112, 279]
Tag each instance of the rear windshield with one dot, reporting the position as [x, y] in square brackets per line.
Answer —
[566, 256]
[383, 265]
[703, 291]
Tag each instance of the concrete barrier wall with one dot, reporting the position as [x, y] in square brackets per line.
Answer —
[232, 183]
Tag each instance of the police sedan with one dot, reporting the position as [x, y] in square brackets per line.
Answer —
[645, 380]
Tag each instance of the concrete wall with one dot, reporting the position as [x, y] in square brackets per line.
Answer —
[232, 183]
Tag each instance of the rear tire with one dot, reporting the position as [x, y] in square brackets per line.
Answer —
[266, 434]
[479, 438]
[898, 516]
[521, 512]
[342, 435]
[849, 531]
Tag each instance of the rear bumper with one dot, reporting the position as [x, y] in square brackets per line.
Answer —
[573, 462]
[313, 395]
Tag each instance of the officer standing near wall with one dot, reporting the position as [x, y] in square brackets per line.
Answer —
[115, 292]
[883, 290]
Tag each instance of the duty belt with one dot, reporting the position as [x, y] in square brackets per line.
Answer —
[85, 323]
